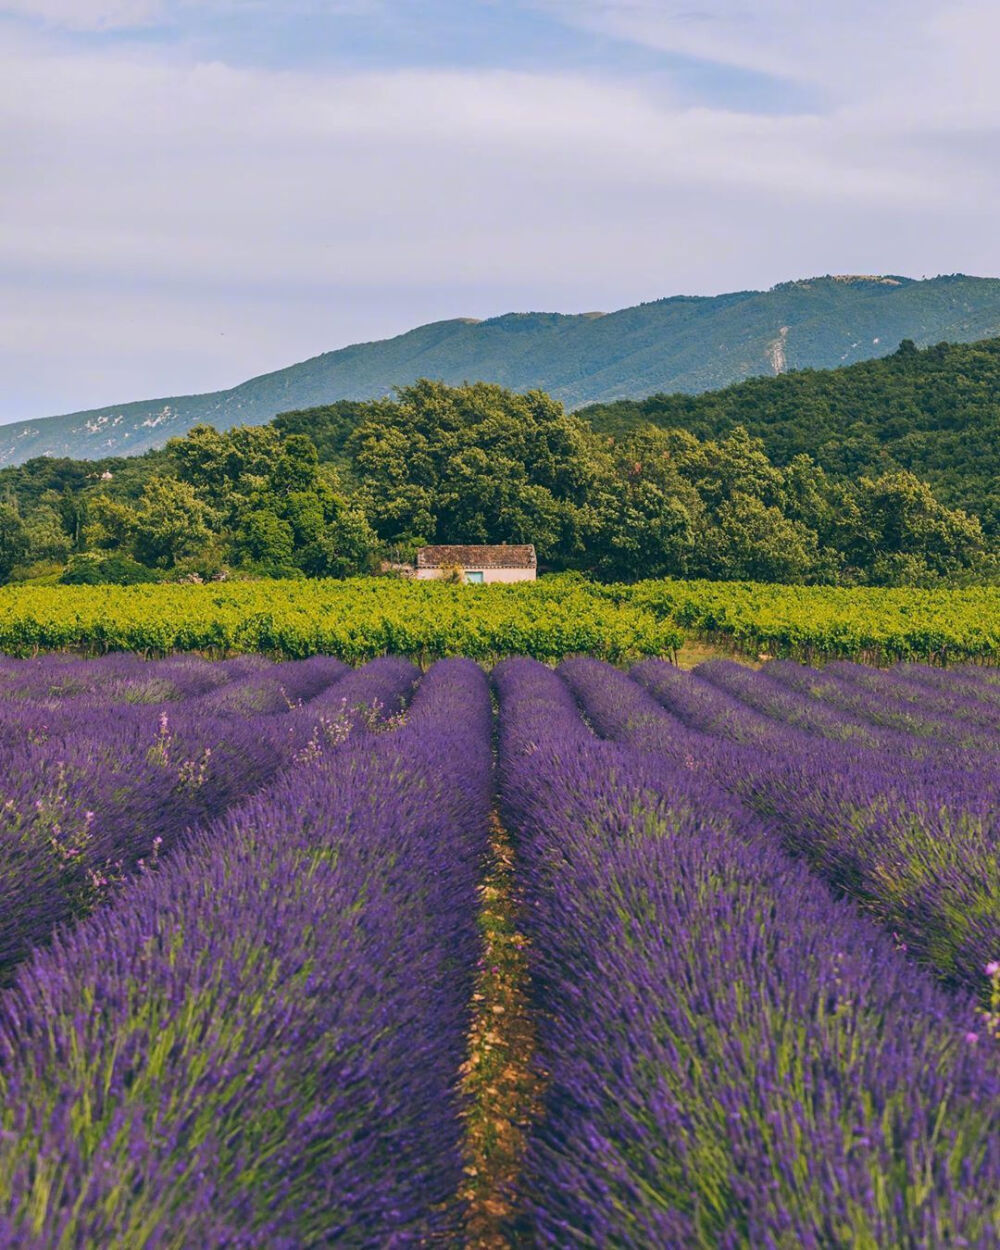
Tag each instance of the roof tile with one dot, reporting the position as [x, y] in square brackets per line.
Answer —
[502, 556]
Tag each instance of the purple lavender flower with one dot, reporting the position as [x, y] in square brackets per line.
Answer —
[267, 1031]
[732, 1057]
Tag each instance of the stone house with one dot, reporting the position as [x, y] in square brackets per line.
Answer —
[504, 563]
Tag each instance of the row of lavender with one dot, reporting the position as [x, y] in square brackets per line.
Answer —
[906, 823]
[733, 1056]
[257, 1044]
[95, 784]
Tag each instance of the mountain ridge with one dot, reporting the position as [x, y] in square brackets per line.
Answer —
[680, 343]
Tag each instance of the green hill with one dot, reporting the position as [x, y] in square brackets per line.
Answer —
[935, 412]
[684, 344]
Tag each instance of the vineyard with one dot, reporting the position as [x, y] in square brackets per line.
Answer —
[354, 620]
[816, 623]
[298, 954]
[359, 619]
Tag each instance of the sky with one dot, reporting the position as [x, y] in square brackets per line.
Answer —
[193, 192]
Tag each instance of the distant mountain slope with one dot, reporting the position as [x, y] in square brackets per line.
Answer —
[688, 344]
[935, 412]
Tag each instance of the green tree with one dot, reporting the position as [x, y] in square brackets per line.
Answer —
[13, 541]
[296, 468]
[735, 465]
[753, 541]
[262, 537]
[645, 516]
[111, 524]
[299, 518]
[898, 530]
[46, 535]
[225, 468]
[171, 523]
[472, 464]
[344, 548]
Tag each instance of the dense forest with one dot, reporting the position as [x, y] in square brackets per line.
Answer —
[341, 489]
[934, 412]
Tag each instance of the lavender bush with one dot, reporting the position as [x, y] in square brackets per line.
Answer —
[259, 1044]
[733, 1058]
[883, 706]
[257, 1039]
[761, 691]
[89, 794]
[913, 838]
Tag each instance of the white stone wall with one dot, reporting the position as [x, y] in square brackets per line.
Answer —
[508, 575]
[489, 575]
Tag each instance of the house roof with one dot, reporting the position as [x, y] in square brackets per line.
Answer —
[496, 557]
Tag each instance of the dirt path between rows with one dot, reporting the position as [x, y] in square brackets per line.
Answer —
[500, 1077]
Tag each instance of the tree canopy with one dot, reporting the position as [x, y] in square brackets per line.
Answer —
[934, 412]
[480, 464]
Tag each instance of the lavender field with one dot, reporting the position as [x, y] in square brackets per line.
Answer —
[736, 982]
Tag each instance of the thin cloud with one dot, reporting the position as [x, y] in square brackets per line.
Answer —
[142, 187]
[209, 170]
[853, 49]
[87, 15]
[110, 15]
[771, 36]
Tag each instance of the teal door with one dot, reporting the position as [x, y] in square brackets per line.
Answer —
[474, 578]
